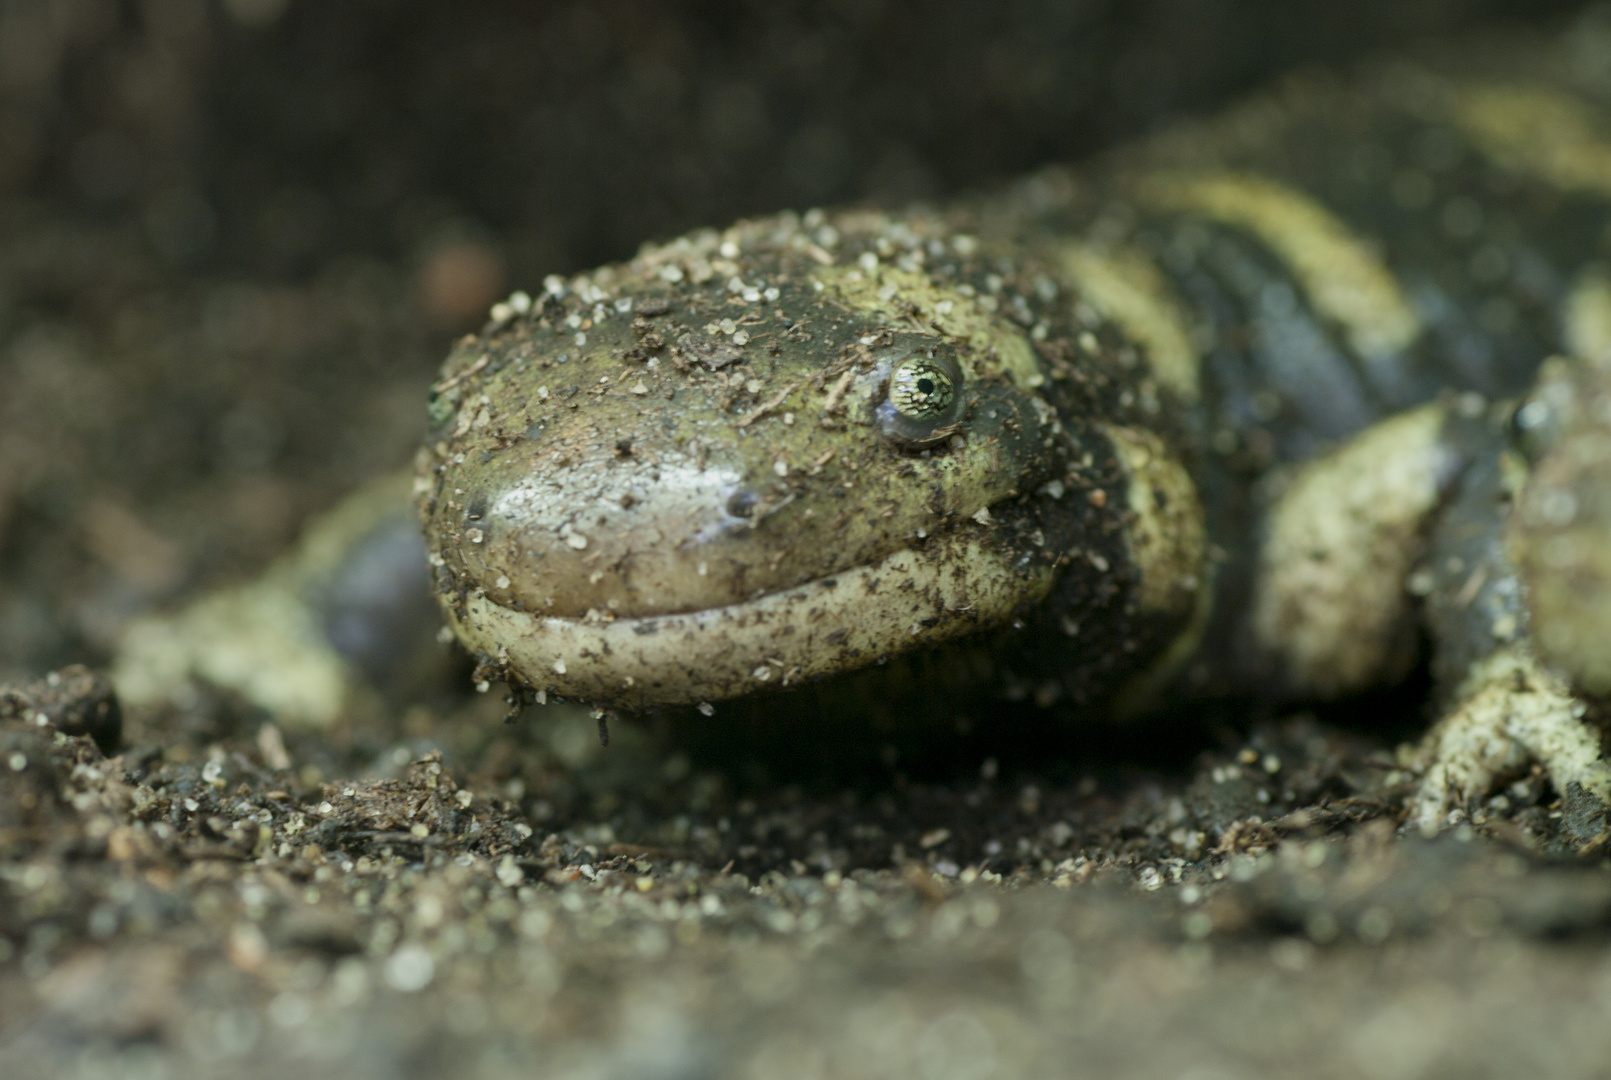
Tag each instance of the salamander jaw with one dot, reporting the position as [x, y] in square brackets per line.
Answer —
[909, 599]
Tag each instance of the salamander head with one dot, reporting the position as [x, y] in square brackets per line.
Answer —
[744, 461]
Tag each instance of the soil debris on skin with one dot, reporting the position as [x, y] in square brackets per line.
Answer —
[236, 241]
[516, 900]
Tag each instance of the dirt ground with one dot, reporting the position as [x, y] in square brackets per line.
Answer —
[235, 239]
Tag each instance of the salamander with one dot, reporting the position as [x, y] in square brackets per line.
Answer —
[1242, 409]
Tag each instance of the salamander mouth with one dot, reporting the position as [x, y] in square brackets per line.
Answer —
[909, 599]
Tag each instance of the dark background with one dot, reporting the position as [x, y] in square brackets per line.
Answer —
[236, 235]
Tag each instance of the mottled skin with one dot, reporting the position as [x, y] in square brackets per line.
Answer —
[1246, 292]
[1232, 411]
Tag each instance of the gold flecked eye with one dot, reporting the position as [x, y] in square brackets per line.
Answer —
[922, 389]
[924, 401]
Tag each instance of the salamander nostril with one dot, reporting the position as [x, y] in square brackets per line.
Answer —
[742, 503]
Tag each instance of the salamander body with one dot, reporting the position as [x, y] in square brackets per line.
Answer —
[1242, 409]
[693, 476]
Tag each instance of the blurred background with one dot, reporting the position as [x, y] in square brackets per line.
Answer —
[236, 236]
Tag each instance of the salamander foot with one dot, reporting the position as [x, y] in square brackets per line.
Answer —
[1510, 713]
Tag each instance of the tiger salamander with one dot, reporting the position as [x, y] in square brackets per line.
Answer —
[1241, 409]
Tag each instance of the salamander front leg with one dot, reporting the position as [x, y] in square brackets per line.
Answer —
[1516, 603]
[1511, 712]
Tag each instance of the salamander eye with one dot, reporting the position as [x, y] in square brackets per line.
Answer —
[921, 389]
[925, 399]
